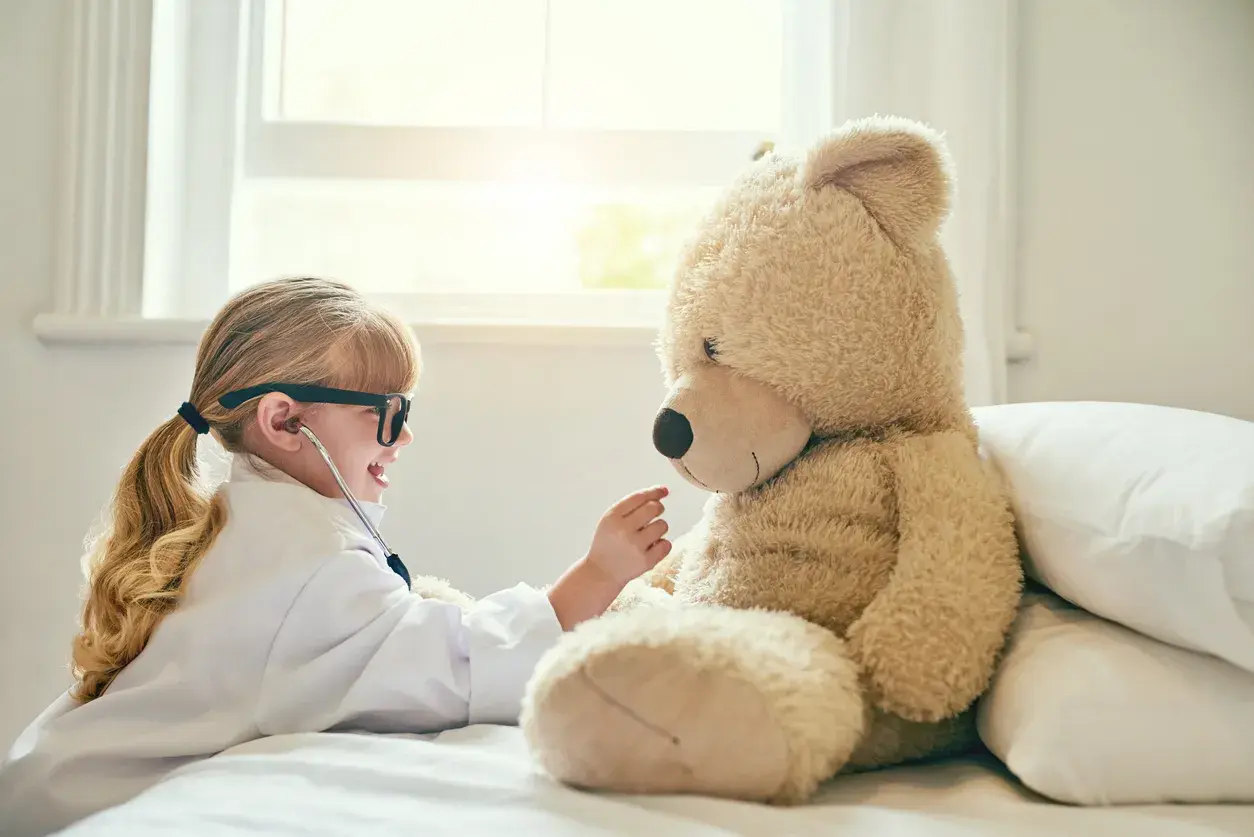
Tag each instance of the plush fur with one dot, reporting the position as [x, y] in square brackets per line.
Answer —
[430, 587]
[844, 599]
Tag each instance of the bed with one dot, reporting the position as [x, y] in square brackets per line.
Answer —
[480, 780]
[1128, 678]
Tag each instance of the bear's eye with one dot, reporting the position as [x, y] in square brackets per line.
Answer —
[711, 349]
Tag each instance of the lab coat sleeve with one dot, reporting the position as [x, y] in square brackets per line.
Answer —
[357, 650]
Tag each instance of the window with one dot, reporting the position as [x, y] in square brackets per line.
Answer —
[525, 161]
[515, 163]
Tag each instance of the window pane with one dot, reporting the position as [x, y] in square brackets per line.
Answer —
[666, 64]
[612, 64]
[419, 62]
[400, 237]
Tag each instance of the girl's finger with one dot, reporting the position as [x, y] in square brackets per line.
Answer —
[657, 552]
[653, 532]
[640, 518]
[638, 498]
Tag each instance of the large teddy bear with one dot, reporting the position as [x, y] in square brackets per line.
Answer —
[845, 597]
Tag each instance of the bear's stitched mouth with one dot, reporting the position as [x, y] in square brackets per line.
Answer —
[757, 472]
[693, 477]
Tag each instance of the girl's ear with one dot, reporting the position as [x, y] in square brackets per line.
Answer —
[277, 421]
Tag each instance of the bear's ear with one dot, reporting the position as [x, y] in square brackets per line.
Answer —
[899, 169]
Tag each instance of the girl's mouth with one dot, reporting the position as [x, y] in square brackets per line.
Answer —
[376, 471]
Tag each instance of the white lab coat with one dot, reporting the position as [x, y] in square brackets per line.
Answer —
[292, 622]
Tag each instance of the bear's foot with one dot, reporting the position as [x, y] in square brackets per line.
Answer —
[706, 700]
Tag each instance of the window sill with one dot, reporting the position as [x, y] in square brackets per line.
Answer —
[68, 329]
[63, 329]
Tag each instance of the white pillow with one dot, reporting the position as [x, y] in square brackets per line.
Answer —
[1087, 712]
[1141, 514]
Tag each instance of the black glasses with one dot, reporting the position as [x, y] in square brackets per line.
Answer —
[393, 409]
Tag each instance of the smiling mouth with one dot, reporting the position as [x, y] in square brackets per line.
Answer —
[377, 471]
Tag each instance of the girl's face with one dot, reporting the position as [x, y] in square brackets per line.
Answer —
[349, 434]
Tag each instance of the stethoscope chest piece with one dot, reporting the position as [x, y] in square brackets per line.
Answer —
[398, 567]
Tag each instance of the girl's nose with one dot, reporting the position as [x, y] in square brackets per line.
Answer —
[406, 435]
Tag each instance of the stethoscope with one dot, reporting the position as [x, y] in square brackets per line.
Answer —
[394, 561]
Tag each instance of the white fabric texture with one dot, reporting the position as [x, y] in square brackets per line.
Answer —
[1141, 514]
[292, 622]
[1088, 712]
[948, 63]
[481, 781]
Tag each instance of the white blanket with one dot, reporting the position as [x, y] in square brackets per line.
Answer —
[481, 780]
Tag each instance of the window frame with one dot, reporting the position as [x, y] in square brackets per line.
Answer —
[126, 222]
[273, 147]
[158, 132]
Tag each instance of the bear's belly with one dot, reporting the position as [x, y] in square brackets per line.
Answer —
[820, 543]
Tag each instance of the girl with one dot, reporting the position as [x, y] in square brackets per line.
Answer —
[272, 606]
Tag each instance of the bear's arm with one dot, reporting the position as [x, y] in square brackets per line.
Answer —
[929, 641]
[430, 587]
[662, 576]
[657, 585]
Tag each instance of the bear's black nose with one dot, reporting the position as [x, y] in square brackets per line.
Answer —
[672, 434]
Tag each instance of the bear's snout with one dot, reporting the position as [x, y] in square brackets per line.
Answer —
[726, 432]
[672, 433]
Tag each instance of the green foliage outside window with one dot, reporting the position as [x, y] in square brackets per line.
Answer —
[632, 246]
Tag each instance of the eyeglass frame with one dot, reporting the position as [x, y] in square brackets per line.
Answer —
[317, 394]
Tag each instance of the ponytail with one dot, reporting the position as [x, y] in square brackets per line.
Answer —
[162, 523]
[163, 520]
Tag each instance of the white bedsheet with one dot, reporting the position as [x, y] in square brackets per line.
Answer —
[480, 780]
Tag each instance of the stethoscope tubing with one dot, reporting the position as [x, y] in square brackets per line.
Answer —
[348, 495]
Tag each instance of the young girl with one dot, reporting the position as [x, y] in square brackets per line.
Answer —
[270, 607]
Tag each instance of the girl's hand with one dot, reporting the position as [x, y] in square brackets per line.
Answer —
[628, 541]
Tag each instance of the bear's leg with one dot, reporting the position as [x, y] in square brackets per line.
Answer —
[744, 704]
[890, 739]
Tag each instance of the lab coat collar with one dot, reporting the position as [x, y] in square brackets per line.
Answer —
[246, 468]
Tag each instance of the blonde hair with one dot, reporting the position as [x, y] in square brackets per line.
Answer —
[293, 330]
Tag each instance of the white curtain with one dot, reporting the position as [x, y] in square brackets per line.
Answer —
[947, 63]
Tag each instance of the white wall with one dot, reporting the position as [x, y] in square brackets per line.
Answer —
[1137, 201]
[1138, 275]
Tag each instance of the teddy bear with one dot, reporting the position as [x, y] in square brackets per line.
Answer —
[849, 588]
